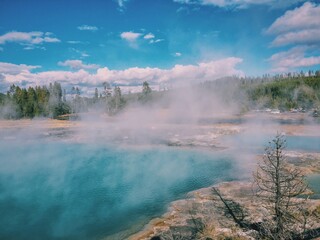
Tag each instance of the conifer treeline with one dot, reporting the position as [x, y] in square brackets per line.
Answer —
[287, 93]
[43, 101]
[34, 102]
[284, 93]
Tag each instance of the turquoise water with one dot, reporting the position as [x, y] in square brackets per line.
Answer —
[314, 184]
[305, 143]
[55, 190]
[256, 141]
[52, 190]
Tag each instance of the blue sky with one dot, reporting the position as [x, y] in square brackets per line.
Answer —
[161, 41]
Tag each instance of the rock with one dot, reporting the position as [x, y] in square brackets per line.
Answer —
[202, 215]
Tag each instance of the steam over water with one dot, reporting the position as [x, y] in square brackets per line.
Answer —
[52, 190]
[56, 189]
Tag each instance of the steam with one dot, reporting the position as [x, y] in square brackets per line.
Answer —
[83, 191]
[101, 175]
[97, 176]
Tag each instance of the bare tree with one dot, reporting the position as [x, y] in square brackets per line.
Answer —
[278, 184]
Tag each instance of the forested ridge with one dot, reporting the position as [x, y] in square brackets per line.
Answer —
[277, 92]
[52, 101]
[33, 102]
[286, 93]
[283, 92]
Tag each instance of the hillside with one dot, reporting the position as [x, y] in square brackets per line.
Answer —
[240, 94]
[286, 93]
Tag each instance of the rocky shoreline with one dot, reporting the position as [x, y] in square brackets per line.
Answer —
[202, 208]
[200, 204]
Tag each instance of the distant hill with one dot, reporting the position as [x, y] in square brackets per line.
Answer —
[286, 93]
[283, 92]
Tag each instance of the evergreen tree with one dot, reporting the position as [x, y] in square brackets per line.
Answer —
[146, 92]
[117, 99]
[96, 95]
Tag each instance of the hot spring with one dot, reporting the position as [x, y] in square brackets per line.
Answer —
[53, 189]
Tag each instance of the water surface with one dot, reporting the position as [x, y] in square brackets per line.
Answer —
[52, 190]
[314, 184]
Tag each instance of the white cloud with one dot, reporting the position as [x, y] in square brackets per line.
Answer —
[77, 64]
[74, 42]
[241, 3]
[28, 38]
[81, 53]
[308, 36]
[293, 58]
[130, 36]
[156, 40]
[121, 3]
[304, 17]
[149, 36]
[19, 37]
[177, 54]
[50, 39]
[31, 47]
[87, 28]
[15, 69]
[298, 26]
[179, 74]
